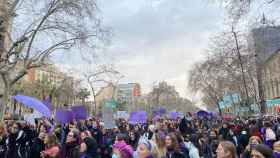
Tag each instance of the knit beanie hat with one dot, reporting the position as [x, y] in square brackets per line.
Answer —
[264, 150]
[126, 150]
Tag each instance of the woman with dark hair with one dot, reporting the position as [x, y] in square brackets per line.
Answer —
[16, 142]
[173, 148]
[183, 148]
[89, 148]
[133, 139]
[72, 146]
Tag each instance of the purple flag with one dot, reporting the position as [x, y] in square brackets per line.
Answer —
[173, 115]
[33, 103]
[138, 117]
[80, 112]
[202, 113]
[64, 116]
[47, 102]
[159, 111]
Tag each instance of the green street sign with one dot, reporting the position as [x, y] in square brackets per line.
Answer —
[111, 103]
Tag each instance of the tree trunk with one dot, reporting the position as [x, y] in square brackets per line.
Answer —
[5, 102]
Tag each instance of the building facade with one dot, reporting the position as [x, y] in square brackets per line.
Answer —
[127, 95]
[265, 43]
[48, 73]
[103, 95]
[271, 82]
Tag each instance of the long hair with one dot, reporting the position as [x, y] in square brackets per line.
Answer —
[174, 145]
[160, 142]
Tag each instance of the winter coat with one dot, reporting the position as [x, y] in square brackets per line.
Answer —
[72, 150]
[184, 150]
[36, 148]
[172, 154]
[206, 151]
[246, 154]
[3, 148]
[16, 145]
[193, 151]
[97, 135]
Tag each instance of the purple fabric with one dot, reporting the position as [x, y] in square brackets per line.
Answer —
[127, 150]
[202, 113]
[48, 103]
[64, 116]
[34, 104]
[133, 117]
[80, 112]
[138, 117]
[276, 154]
[173, 115]
[160, 111]
[156, 118]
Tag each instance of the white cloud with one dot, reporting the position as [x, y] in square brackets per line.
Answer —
[156, 40]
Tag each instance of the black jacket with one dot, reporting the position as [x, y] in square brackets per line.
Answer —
[72, 150]
[3, 148]
[174, 155]
[16, 144]
[36, 148]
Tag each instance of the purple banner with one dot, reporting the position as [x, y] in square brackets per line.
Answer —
[173, 115]
[33, 103]
[80, 112]
[159, 111]
[202, 113]
[64, 116]
[47, 102]
[138, 117]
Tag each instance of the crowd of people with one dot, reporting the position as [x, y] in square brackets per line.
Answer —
[189, 137]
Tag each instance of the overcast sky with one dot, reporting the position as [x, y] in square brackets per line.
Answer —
[156, 40]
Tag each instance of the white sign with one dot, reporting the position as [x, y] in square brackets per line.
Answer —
[30, 118]
[108, 117]
[122, 114]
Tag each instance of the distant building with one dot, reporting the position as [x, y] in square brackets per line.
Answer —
[271, 82]
[127, 94]
[271, 76]
[265, 43]
[48, 73]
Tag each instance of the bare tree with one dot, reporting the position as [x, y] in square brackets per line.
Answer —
[32, 31]
[104, 74]
[229, 68]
